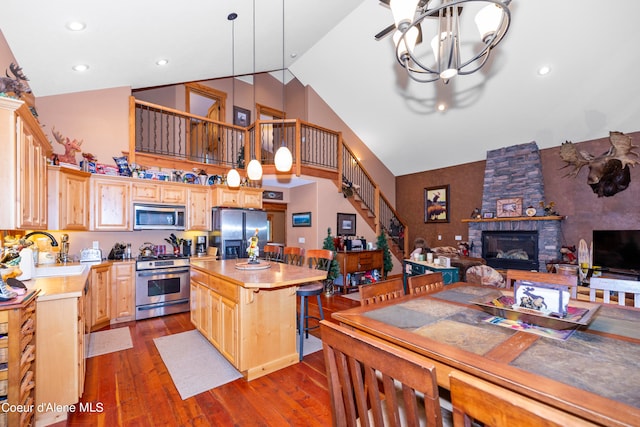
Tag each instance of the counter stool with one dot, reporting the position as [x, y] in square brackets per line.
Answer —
[319, 259]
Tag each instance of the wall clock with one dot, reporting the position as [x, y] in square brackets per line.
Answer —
[531, 211]
[507, 208]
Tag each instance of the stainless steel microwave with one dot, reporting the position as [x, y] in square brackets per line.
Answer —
[158, 217]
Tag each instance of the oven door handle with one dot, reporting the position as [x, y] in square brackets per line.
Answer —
[161, 304]
[157, 273]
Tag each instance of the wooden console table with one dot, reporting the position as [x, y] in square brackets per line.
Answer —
[358, 262]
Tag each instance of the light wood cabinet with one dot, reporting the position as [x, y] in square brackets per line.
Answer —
[100, 296]
[158, 192]
[199, 209]
[68, 199]
[60, 369]
[23, 168]
[111, 203]
[215, 313]
[251, 198]
[18, 352]
[123, 298]
[243, 197]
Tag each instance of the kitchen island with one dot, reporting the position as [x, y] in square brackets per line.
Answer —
[249, 313]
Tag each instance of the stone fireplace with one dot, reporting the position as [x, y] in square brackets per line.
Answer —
[516, 172]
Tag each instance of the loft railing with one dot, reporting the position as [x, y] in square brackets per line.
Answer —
[180, 140]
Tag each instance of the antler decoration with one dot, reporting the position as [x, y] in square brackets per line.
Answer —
[608, 173]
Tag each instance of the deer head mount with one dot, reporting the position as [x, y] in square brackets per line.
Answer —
[608, 173]
[14, 85]
[70, 148]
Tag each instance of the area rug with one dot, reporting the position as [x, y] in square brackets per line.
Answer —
[103, 342]
[196, 366]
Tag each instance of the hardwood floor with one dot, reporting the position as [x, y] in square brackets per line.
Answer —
[135, 389]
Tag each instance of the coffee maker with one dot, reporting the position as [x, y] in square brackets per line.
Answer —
[201, 245]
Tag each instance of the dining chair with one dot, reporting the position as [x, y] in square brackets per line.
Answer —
[292, 255]
[272, 253]
[373, 382]
[551, 278]
[385, 290]
[425, 283]
[478, 401]
[319, 259]
[622, 287]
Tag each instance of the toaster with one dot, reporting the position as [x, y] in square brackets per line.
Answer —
[90, 255]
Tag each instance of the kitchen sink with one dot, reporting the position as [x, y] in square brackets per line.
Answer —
[59, 270]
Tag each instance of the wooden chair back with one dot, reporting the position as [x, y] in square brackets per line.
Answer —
[292, 255]
[272, 253]
[355, 361]
[424, 283]
[534, 276]
[319, 258]
[622, 287]
[385, 290]
[494, 406]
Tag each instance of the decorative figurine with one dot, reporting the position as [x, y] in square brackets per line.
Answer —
[253, 250]
[70, 148]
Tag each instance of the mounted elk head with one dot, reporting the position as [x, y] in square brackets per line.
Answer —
[608, 173]
[70, 148]
[14, 85]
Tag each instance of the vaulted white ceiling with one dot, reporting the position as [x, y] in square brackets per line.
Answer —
[591, 48]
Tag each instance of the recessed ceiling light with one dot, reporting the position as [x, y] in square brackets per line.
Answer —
[76, 26]
[545, 69]
[80, 67]
[162, 62]
[442, 107]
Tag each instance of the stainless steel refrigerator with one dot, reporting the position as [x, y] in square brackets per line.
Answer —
[232, 229]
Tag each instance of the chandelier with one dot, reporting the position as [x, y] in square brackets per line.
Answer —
[455, 49]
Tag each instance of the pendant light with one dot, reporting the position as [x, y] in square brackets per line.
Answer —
[283, 158]
[233, 177]
[254, 168]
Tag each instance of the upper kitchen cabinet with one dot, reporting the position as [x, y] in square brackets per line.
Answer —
[68, 199]
[199, 209]
[244, 197]
[23, 168]
[158, 192]
[111, 202]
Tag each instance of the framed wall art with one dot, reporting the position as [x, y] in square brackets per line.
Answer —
[346, 224]
[301, 219]
[436, 204]
[506, 208]
[241, 116]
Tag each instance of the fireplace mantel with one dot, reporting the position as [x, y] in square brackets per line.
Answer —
[518, 218]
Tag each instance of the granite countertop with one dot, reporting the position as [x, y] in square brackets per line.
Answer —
[60, 287]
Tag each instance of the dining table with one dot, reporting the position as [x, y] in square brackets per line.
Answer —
[590, 370]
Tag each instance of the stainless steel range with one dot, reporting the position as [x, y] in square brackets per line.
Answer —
[162, 286]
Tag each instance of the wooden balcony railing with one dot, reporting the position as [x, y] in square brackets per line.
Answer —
[169, 138]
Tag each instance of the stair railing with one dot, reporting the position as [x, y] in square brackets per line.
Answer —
[170, 138]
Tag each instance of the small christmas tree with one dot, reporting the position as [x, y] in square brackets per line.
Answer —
[382, 243]
[334, 269]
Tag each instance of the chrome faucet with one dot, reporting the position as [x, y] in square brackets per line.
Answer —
[53, 239]
[64, 249]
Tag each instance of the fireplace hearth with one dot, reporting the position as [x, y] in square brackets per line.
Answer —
[516, 250]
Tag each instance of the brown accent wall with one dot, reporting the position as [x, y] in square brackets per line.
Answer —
[585, 211]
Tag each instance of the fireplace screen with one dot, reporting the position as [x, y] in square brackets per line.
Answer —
[511, 249]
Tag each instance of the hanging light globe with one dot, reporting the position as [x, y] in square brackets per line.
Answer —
[254, 170]
[283, 159]
[233, 178]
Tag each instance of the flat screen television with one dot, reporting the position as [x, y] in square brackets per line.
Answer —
[617, 249]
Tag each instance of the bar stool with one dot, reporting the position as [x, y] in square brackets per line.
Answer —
[319, 259]
[272, 253]
[292, 255]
